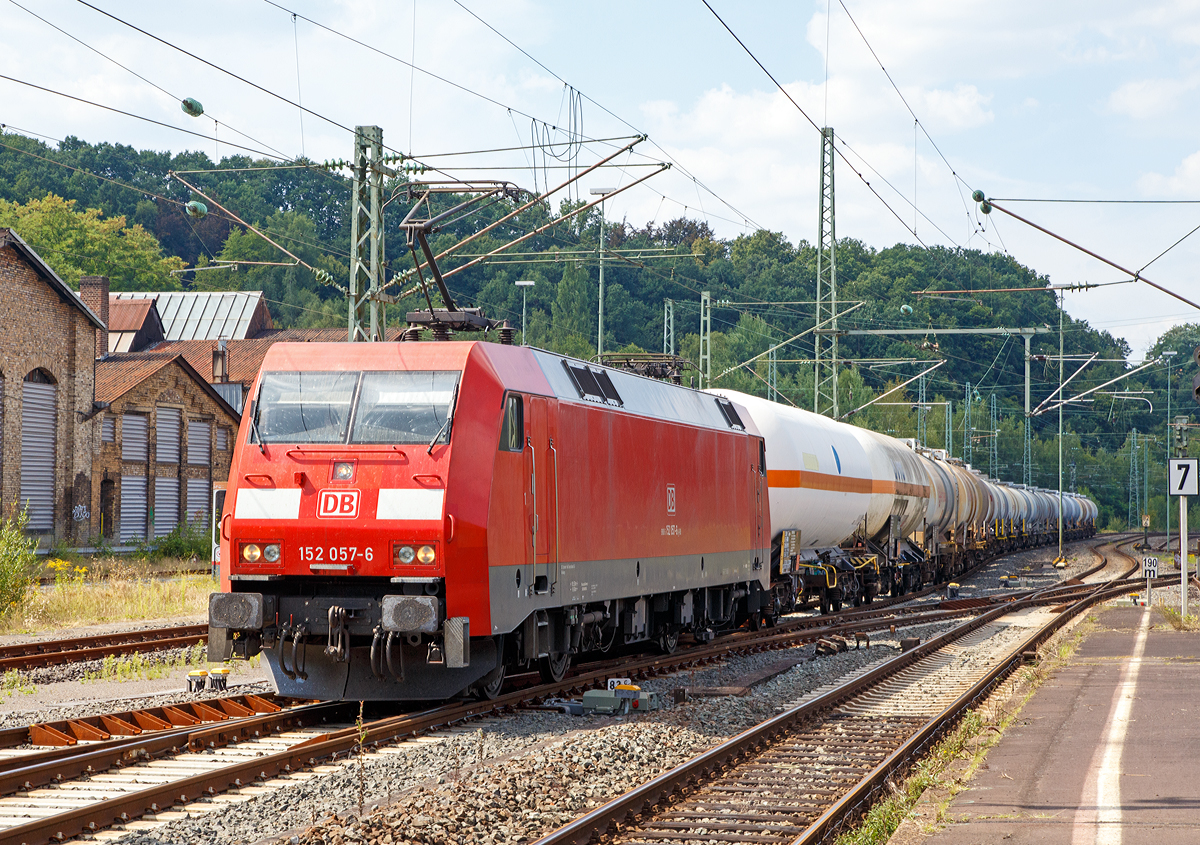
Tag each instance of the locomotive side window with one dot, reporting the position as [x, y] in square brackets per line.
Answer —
[512, 433]
[304, 407]
[404, 407]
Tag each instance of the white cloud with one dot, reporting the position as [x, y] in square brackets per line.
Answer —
[962, 108]
[1184, 181]
[1151, 98]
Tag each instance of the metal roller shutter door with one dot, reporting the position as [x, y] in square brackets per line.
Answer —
[39, 414]
[134, 428]
[199, 500]
[166, 505]
[199, 444]
[167, 435]
[133, 508]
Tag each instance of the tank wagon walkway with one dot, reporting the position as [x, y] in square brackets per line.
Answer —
[1107, 751]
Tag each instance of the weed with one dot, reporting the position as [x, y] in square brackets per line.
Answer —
[188, 541]
[1179, 623]
[16, 562]
[13, 681]
[128, 667]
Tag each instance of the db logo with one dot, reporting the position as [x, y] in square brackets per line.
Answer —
[338, 504]
[670, 498]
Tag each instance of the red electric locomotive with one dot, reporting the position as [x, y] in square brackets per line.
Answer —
[410, 520]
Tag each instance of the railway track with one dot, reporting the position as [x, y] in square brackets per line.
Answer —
[802, 776]
[53, 652]
[183, 769]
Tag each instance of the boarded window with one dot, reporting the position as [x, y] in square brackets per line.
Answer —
[166, 505]
[133, 508]
[39, 417]
[222, 439]
[108, 430]
[199, 443]
[168, 435]
[199, 501]
[134, 431]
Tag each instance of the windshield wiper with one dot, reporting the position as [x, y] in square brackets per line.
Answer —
[254, 429]
[446, 424]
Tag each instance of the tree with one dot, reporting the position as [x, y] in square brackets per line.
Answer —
[85, 243]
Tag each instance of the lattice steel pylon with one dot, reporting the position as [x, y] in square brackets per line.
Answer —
[772, 377]
[367, 319]
[922, 412]
[1027, 473]
[994, 441]
[825, 338]
[705, 339]
[968, 428]
[668, 327]
[1135, 483]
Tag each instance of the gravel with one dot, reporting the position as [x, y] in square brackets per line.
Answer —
[506, 780]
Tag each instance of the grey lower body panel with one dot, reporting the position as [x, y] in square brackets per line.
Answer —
[331, 680]
[580, 582]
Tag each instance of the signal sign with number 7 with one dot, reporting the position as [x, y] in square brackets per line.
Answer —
[1183, 477]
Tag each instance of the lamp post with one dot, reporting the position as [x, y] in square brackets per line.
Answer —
[1170, 353]
[601, 192]
[524, 283]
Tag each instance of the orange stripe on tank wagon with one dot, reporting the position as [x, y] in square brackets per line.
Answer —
[794, 478]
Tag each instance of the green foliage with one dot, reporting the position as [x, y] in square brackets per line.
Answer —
[188, 541]
[17, 561]
[83, 243]
[128, 667]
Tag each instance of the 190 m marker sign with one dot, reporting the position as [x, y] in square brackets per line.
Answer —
[1182, 477]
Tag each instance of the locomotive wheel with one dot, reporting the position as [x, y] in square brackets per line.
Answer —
[668, 641]
[836, 601]
[553, 668]
[489, 685]
[824, 602]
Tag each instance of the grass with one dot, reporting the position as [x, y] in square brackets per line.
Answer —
[12, 681]
[109, 590]
[971, 739]
[129, 667]
[1180, 623]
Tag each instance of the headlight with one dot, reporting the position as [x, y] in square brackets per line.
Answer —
[271, 552]
[425, 554]
[404, 554]
[343, 471]
[251, 552]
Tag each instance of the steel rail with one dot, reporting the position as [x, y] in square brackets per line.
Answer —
[53, 652]
[852, 803]
[120, 809]
[598, 822]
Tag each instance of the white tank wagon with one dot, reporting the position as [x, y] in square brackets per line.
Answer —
[855, 513]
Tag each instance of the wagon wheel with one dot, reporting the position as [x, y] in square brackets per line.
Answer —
[668, 640]
[553, 667]
[824, 601]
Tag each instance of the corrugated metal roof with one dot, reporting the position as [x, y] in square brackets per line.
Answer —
[128, 315]
[204, 316]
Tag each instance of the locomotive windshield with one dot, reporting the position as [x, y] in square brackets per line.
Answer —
[350, 407]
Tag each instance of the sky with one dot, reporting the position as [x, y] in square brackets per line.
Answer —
[1021, 100]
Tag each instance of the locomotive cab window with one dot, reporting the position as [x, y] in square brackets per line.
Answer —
[341, 407]
[405, 407]
[512, 432]
[304, 407]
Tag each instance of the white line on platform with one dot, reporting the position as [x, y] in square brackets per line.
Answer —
[1098, 818]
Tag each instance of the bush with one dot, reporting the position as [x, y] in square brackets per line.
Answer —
[189, 541]
[17, 561]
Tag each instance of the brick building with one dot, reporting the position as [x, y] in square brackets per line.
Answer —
[47, 403]
[165, 437]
